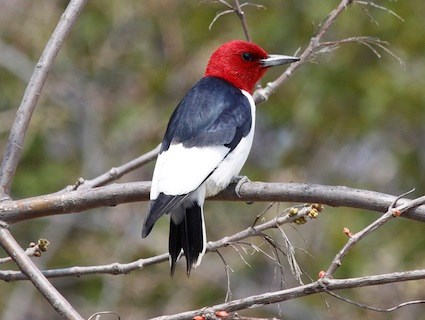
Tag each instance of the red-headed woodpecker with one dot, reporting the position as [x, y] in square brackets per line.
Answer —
[206, 143]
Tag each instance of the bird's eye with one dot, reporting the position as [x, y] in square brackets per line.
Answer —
[248, 56]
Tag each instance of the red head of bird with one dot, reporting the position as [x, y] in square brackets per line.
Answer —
[243, 63]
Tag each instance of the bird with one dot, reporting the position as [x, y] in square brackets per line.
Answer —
[206, 143]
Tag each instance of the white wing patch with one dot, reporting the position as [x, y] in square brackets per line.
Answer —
[180, 170]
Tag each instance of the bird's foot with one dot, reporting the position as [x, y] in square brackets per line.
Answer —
[239, 180]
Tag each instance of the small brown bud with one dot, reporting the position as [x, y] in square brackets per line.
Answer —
[347, 232]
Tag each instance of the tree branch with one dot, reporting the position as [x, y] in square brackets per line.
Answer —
[391, 213]
[111, 195]
[16, 139]
[289, 215]
[321, 285]
[262, 94]
[362, 305]
[27, 267]
[34, 250]
[242, 17]
[114, 173]
[124, 268]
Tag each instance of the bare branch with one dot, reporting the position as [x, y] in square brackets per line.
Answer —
[28, 268]
[362, 305]
[321, 285]
[111, 195]
[374, 5]
[391, 213]
[118, 268]
[290, 256]
[262, 94]
[241, 15]
[315, 47]
[226, 270]
[33, 250]
[369, 42]
[218, 15]
[14, 145]
[115, 173]
[77, 271]
[123, 268]
[237, 9]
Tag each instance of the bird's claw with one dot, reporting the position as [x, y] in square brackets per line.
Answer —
[239, 180]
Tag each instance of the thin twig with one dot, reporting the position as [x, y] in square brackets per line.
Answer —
[369, 42]
[242, 17]
[365, 306]
[374, 5]
[262, 94]
[115, 173]
[226, 270]
[237, 9]
[34, 250]
[391, 213]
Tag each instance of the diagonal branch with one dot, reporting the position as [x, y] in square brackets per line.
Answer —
[15, 143]
[321, 285]
[262, 94]
[27, 267]
[114, 173]
[391, 213]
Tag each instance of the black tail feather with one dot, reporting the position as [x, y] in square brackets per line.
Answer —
[188, 235]
[161, 205]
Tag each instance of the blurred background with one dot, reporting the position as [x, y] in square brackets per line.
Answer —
[350, 118]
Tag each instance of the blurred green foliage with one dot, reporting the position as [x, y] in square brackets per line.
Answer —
[350, 118]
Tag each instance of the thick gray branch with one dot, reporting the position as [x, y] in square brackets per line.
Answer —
[111, 195]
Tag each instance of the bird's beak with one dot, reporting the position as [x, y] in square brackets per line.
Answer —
[276, 60]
